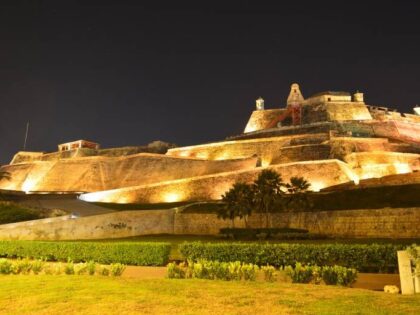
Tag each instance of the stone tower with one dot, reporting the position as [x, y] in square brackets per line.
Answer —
[260, 103]
[358, 97]
[295, 96]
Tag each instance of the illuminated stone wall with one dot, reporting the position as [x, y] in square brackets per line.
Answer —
[373, 223]
[109, 225]
[378, 164]
[319, 173]
[347, 111]
[269, 150]
[101, 173]
[262, 119]
[398, 130]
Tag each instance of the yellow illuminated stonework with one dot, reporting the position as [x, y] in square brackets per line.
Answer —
[334, 138]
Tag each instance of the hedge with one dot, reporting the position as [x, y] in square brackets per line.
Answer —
[363, 257]
[130, 253]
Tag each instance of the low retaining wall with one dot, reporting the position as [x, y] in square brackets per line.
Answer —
[109, 225]
[373, 223]
[377, 223]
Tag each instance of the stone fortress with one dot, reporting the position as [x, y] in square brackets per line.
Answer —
[333, 139]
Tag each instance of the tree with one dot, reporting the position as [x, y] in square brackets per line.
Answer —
[297, 198]
[238, 202]
[267, 193]
[297, 185]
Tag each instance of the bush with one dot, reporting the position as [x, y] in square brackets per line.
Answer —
[212, 270]
[269, 273]
[91, 267]
[175, 271]
[130, 253]
[80, 269]
[11, 212]
[104, 271]
[363, 257]
[335, 275]
[117, 269]
[69, 268]
[22, 266]
[299, 274]
[37, 266]
[338, 275]
[6, 267]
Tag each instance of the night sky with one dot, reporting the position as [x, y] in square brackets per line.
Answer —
[130, 72]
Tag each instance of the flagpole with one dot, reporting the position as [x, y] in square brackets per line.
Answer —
[26, 136]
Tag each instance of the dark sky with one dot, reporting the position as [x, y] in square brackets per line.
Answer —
[130, 72]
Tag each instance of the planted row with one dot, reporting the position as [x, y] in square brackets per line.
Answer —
[213, 270]
[130, 253]
[228, 271]
[327, 274]
[38, 266]
[363, 257]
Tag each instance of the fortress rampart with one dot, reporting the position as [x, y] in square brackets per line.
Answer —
[89, 174]
[211, 187]
[329, 138]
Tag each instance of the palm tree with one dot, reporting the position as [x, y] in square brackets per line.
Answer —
[297, 185]
[297, 190]
[238, 202]
[267, 192]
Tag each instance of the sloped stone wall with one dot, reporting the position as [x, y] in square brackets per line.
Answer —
[267, 149]
[102, 173]
[211, 187]
[262, 119]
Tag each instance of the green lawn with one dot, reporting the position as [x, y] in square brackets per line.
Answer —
[29, 294]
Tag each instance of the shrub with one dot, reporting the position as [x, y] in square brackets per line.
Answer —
[269, 273]
[249, 271]
[37, 266]
[80, 269]
[91, 267]
[330, 274]
[104, 271]
[11, 212]
[6, 267]
[69, 268]
[117, 269]
[363, 257]
[175, 271]
[130, 253]
[204, 269]
[299, 274]
[338, 275]
[23, 266]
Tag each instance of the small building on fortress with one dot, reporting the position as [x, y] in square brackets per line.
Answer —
[332, 138]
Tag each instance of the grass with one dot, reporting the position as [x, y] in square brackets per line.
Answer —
[28, 294]
[11, 212]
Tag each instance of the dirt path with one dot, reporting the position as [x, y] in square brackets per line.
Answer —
[370, 281]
